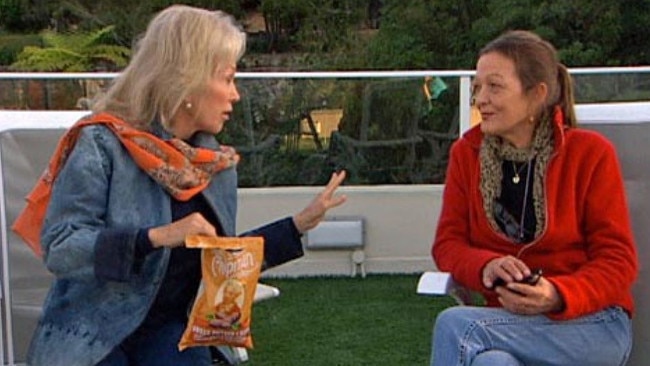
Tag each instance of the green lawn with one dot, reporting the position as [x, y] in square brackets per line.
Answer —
[377, 320]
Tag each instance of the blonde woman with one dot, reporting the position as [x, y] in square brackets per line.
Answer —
[125, 187]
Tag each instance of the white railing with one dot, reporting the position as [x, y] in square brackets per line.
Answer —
[464, 77]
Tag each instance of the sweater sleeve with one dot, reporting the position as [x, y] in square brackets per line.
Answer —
[612, 263]
[451, 249]
[282, 242]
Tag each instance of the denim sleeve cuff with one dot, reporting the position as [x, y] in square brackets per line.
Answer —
[281, 242]
[143, 245]
[115, 254]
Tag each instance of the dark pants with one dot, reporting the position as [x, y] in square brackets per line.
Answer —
[158, 348]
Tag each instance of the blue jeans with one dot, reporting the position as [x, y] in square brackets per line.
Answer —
[158, 348]
[479, 336]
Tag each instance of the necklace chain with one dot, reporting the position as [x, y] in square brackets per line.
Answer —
[516, 178]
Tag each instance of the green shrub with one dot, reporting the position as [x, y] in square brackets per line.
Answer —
[73, 52]
[12, 44]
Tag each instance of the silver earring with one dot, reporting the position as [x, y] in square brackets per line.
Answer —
[188, 105]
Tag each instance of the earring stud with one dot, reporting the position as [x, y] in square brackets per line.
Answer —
[188, 105]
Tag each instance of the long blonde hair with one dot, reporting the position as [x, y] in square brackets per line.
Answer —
[181, 49]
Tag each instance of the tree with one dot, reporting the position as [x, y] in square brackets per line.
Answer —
[586, 33]
[401, 41]
[330, 25]
[426, 34]
[23, 15]
[283, 19]
[447, 34]
[633, 47]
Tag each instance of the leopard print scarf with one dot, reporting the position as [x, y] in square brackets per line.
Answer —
[494, 151]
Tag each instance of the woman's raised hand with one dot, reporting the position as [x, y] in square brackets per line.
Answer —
[311, 215]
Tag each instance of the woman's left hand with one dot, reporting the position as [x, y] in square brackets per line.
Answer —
[311, 215]
[521, 298]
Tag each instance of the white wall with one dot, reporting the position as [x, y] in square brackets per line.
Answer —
[399, 222]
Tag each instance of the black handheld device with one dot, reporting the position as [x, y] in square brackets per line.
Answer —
[532, 279]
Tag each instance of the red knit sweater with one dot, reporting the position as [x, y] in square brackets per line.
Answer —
[586, 249]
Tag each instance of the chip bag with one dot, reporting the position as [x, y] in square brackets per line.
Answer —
[221, 314]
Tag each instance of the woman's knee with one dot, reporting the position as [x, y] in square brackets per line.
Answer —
[495, 357]
[456, 318]
[465, 327]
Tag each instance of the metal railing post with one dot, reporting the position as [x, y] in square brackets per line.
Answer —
[464, 103]
[6, 326]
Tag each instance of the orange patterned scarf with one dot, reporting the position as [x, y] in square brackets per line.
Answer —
[181, 169]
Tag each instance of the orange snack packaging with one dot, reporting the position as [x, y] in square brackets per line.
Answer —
[221, 314]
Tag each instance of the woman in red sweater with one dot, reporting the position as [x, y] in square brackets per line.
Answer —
[525, 191]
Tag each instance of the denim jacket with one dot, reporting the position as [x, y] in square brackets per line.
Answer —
[91, 309]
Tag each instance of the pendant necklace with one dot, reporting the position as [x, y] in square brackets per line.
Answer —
[522, 219]
[516, 178]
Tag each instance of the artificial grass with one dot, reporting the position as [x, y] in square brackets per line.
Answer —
[377, 320]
